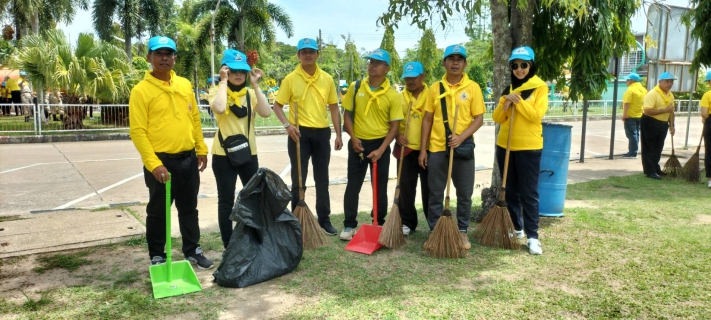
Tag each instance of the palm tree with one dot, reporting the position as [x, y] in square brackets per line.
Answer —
[243, 23]
[135, 17]
[39, 15]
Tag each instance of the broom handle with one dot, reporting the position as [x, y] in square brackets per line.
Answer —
[703, 129]
[451, 156]
[168, 245]
[672, 139]
[298, 155]
[508, 150]
[402, 153]
[374, 179]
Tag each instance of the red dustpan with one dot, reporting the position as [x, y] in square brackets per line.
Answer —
[366, 239]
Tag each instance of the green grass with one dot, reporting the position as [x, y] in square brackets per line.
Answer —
[638, 248]
[69, 262]
[10, 218]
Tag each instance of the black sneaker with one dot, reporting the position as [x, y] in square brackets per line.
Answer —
[328, 228]
[157, 260]
[200, 261]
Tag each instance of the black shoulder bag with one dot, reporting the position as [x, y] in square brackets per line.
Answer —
[237, 147]
[465, 151]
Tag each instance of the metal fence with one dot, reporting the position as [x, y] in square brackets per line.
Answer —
[56, 119]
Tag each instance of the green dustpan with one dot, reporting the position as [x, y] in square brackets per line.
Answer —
[172, 278]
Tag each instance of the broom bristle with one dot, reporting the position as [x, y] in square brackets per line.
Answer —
[691, 172]
[497, 229]
[392, 236]
[672, 168]
[311, 232]
[445, 241]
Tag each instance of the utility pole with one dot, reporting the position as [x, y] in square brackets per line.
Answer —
[320, 41]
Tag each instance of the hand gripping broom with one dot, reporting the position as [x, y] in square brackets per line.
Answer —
[444, 241]
[690, 172]
[497, 230]
[392, 236]
[311, 232]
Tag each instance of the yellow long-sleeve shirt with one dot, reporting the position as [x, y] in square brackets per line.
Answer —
[527, 130]
[163, 124]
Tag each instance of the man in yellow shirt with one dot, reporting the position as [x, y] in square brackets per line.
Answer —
[705, 107]
[414, 98]
[308, 90]
[455, 90]
[372, 115]
[657, 119]
[165, 128]
[633, 103]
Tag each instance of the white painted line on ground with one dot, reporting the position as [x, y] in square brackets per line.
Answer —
[285, 171]
[81, 161]
[30, 166]
[66, 205]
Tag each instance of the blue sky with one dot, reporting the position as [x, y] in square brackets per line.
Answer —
[357, 17]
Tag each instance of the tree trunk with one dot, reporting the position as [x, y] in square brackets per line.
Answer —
[34, 24]
[522, 22]
[501, 33]
[241, 35]
[127, 43]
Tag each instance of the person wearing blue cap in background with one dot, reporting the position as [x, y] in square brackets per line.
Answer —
[528, 94]
[632, 105]
[414, 98]
[658, 117]
[705, 109]
[372, 116]
[235, 107]
[165, 128]
[309, 91]
[456, 91]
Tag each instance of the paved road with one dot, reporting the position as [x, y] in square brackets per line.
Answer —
[49, 176]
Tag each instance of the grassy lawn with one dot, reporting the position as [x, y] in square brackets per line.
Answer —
[628, 247]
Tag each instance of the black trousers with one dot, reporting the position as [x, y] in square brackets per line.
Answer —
[653, 134]
[226, 180]
[522, 188]
[357, 168]
[411, 170]
[185, 184]
[315, 145]
[707, 150]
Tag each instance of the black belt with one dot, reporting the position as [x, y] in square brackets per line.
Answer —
[313, 129]
[179, 155]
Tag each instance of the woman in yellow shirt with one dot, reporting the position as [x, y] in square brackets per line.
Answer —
[528, 94]
[705, 107]
[234, 106]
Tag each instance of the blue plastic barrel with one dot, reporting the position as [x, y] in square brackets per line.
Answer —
[553, 180]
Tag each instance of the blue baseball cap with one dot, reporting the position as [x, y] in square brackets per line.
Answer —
[634, 77]
[3, 83]
[307, 43]
[412, 69]
[22, 73]
[161, 42]
[708, 76]
[522, 53]
[216, 78]
[455, 49]
[380, 54]
[235, 60]
[667, 76]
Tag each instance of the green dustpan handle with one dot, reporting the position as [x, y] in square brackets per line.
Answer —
[168, 248]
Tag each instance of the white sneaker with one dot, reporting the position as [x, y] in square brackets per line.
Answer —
[534, 246]
[406, 230]
[520, 234]
[347, 234]
[709, 185]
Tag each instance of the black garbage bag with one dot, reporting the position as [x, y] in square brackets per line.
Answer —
[266, 242]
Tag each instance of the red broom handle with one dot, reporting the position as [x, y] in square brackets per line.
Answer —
[374, 173]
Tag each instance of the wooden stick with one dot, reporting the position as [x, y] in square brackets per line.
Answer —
[451, 156]
[402, 153]
[298, 155]
[508, 151]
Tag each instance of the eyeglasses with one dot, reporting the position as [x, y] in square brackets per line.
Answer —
[238, 71]
[377, 62]
[164, 53]
[523, 65]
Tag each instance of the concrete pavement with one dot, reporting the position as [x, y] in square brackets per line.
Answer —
[38, 178]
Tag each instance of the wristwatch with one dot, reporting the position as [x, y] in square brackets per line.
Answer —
[287, 124]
